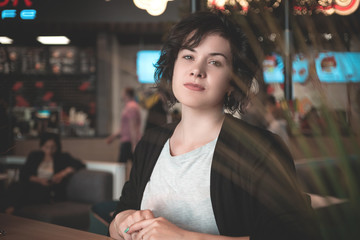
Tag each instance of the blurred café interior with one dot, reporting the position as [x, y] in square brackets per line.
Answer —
[309, 51]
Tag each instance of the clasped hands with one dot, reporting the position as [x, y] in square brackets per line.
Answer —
[57, 178]
[142, 225]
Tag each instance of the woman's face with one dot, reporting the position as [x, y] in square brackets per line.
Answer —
[202, 74]
[49, 147]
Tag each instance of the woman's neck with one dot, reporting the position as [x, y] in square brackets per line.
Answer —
[195, 129]
[202, 121]
[48, 158]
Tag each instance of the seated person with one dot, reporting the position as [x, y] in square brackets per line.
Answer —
[275, 117]
[44, 176]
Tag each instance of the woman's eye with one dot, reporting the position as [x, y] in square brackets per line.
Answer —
[187, 57]
[215, 63]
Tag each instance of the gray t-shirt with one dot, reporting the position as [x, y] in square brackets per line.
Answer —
[179, 189]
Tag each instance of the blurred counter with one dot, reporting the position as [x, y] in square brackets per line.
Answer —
[93, 149]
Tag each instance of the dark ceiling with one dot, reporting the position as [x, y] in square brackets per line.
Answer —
[81, 23]
[86, 33]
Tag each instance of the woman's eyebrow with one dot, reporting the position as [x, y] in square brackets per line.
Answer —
[188, 48]
[211, 54]
[218, 54]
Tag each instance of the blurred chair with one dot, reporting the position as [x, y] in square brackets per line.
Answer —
[101, 216]
[333, 185]
[85, 188]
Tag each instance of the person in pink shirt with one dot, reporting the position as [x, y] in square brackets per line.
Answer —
[129, 131]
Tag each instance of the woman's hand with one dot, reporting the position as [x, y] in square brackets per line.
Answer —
[110, 139]
[42, 181]
[58, 177]
[123, 220]
[158, 229]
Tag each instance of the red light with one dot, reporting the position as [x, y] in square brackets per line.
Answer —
[28, 3]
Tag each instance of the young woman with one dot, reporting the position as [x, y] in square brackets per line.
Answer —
[45, 172]
[210, 176]
[44, 176]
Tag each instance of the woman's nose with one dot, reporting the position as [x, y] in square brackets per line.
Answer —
[198, 72]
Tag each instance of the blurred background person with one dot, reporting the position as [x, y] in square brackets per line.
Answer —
[44, 177]
[157, 110]
[312, 123]
[129, 131]
[275, 118]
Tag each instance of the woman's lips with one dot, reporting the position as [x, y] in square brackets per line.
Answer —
[194, 87]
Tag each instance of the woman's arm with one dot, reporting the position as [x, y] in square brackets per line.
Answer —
[65, 161]
[283, 210]
[112, 137]
[74, 164]
[32, 162]
[65, 165]
[58, 177]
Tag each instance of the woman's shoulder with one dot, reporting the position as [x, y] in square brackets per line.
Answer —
[254, 145]
[64, 156]
[34, 157]
[239, 134]
[241, 128]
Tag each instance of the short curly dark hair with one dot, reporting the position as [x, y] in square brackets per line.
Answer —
[199, 25]
[46, 136]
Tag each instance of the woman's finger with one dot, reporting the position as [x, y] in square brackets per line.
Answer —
[147, 214]
[133, 218]
[126, 235]
[121, 224]
[138, 216]
[140, 225]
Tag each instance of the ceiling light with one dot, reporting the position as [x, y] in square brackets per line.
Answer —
[53, 40]
[327, 36]
[153, 7]
[272, 37]
[5, 40]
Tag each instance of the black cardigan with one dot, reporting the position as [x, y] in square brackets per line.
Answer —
[252, 185]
